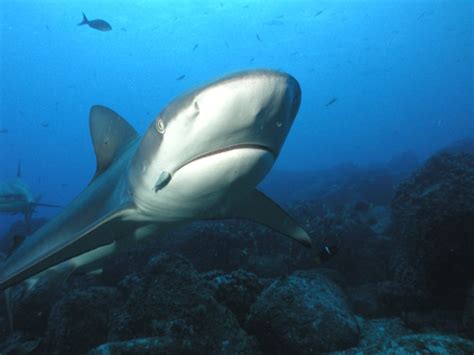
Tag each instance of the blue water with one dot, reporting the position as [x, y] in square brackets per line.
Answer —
[402, 73]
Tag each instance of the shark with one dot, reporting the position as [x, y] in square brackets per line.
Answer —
[16, 197]
[201, 158]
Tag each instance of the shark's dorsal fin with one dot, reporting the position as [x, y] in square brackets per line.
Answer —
[110, 134]
[261, 209]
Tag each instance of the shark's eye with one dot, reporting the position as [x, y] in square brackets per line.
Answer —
[160, 126]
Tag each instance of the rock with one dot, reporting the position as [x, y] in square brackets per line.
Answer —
[436, 320]
[375, 300]
[237, 291]
[18, 344]
[31, 302]
[377, 331]
[465, 145]
[80, 320]
[303, 313]
[156, 345]
[424, 344]
[374, 333]
[381, 218]
[170, 299]
[468, 313]
[403, 163]
[433, 216]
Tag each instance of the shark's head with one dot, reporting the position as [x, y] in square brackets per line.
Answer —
[222, 137]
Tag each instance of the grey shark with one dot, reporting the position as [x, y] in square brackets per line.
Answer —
[16, 197]
[201, 158]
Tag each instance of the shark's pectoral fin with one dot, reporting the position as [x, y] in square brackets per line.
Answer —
[261, 209]
[110, 134]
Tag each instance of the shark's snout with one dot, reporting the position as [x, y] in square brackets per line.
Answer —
[245, 114]
[295, 89]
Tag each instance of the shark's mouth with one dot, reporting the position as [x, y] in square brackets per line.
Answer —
[227, 149]
[165, 176]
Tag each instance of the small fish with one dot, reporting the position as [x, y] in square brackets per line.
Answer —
[196, 46]
[45, 124]
[326, 254]
[181, 77]
[258, 37]
[123, 29]
[97, 24]
[318, 13]
[3, 130]
[330, 102]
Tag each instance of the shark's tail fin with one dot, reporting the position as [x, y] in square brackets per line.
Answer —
[85, 21]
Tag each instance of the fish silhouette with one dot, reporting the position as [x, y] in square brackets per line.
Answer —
[97, 24]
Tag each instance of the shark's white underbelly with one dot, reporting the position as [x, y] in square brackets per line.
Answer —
[206, 187]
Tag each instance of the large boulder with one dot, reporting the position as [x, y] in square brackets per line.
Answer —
[375, 332]
[172, 301]
[303, 313]
[376, 299]
[433, 215]
[80, 320]
[237, 290]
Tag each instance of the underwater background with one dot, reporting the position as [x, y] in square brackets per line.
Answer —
[379, 165]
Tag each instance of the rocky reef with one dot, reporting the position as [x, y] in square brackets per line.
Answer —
[434, 217]
[402, 280]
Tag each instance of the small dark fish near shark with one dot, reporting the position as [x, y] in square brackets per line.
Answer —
[97, 24]
[181, 77]
[3, 130]
[326, 254]
[330, 102]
